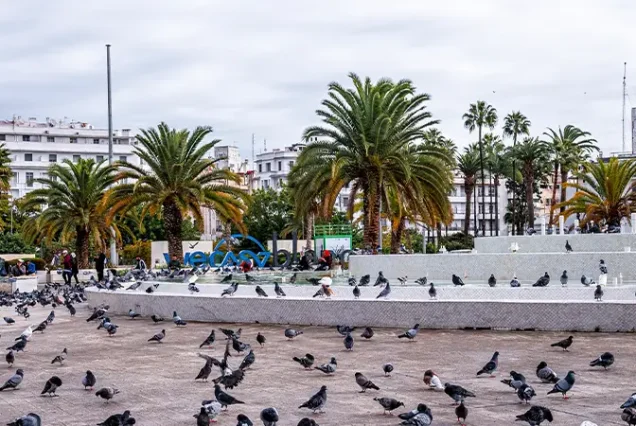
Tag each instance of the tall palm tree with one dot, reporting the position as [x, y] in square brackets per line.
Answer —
[5, 182]
[78, 206]
[498, 167]
[480, 114]
[468, 166]
[606, 194]
[532, 154]
[369, 140]
[569, 148]
[178, 180]
[515, 124]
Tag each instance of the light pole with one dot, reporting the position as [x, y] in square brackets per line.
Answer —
[113, 244]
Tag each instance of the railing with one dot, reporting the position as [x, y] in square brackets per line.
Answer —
[343, 229]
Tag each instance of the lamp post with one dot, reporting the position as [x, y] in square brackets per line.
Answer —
[113, 244]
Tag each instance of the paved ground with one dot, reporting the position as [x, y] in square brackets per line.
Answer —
[156, 380]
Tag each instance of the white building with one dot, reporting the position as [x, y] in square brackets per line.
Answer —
[34, 146]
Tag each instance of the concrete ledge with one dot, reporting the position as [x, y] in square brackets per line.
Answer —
[584, 243]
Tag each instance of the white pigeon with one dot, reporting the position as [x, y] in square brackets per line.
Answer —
[436, 383]
[28, 332]
[588, 423]
[213, 408]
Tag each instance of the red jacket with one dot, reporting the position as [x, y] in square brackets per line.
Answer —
[67, 262]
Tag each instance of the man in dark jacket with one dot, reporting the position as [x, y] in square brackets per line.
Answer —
[100, 264]
[67, 265]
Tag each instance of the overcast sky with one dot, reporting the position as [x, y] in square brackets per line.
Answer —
[263, 67]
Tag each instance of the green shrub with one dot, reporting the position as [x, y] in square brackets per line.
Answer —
[130, 252]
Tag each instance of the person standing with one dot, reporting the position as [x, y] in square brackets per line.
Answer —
[100, 264]
[67, 265]
[74, 268]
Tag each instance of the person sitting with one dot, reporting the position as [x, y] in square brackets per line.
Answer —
[246, 266]
[30, 268]
[141, 264]
[174, 264]
[304, 263]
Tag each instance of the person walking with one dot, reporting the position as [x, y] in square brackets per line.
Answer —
[100, 264]
[67, 265]
[74, 268]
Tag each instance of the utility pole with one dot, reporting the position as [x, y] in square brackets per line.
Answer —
[624, 96]
[113, 244]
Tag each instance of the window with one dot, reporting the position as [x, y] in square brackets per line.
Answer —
[280, 183]
[123, 158]
[26, 138]
[345, 202]
[3, 137]
[548, 201]
[15, 178]
[76, 158]
[96, 141]
[73, 140]
[29, 179]
[268, 167]
[280, 166]
[99, 158]
[50, 139]
[52, 158]
[53, 178]
[28, 157]
[265, 184]
[260, 168]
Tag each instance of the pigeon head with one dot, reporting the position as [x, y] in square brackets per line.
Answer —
[323, 388]
[358, 374]
[495, 355]
[19, 372]
[416, 326]
[541, 365]
[548, 415]
[333, 360]
[422, 408]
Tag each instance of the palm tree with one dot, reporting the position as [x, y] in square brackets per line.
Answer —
[606, 194]
[515, 124]
[498, 167]
[178, 180]
[468, 166]
[533, 156]
[78, 206]
[480, 114]
[569, 148]
[369, 140]
[5, 182]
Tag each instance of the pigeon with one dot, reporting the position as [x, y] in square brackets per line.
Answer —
[30, 419]
[306, 421]
[422, 281]
[542, 281]
[631, 402]
[134, 286]
[317, 401]
[403, 280]
[61, 357]
[9, 320]
[365, 280]
[421, 408]
[602, 267]
[492, 281]
[410, 333]
[598, 293]
[279, 291]
[212, 407]
[461, 412]
[176, 319]
[14, 381]
[629, 415]
[225, 399]
[205, 371]
[348, 342]
[568, 247]
[50, 318]
[248, 360]
[10, 358]
[290, 333]
[107, 393]
[152, 288]
[231, 334]
[564, 385]
[192, 287]
[41, 327]
[313, 280]
[230, 290]
[156, 319]
[269, 416]
[260, 291]
[457, 392]
[388, 369]
[158, 337]
[249, 278]
[546, 374]
[367, 333]
[564, 278]
[26, 334]
[491, 366]
[239, 346]
[389, 404]
[515, 381]
[203, 418]
[132, 314]
[364, 383]
[432, 291]
[456, 280]
[243, 420]
[227, 279]
[515, 282]
[352, 281]
[380, 280]
[328, 368]
[260, 339]
[565, 343]
[89, 380]
[433, 382]
[535, 415]
[586, 281]
[51, 386]
[293, 278]
[343, 330]
[356, 292]
[307, 361]
[525, 393]
[605, 360]
[208, 340]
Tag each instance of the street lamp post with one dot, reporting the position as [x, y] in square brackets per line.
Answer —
[113, 244]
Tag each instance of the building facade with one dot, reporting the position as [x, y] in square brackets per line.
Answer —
[34, 146]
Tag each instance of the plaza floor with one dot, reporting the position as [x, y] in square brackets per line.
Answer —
[157, 380]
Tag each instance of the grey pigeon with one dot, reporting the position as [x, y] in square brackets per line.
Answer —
[432, 291]
[317, 401]
[208, 340]
[536, 415]
[132, 314]
[230, 290]
[260, 291]
[205, 371]
[89, 380]
[492, 281]
[456, 280]
[605, 360]
[410, 333]
[343, 330]
[19, 345]
[307, 361]
[422, 281]
[381, 279]
[421, 408]
[269, 416]
[367, 333]
[9, 320]
[30, 419]
[14, 381]
[260, 339]
[387, 368]
[586, 281]
[60, 358]
[227, 279]
[385, 291]
[515, 282]
[243, 420]
[51, 386]
[356, 292]
[203, 418]
[631, 401]
[515, 381]
[348, 342]
[629, 416]
[568, 247]
[603, 267]
[119, 420]
[176, 319]
[564, 344]
[525, 393]
[328, 368]
[107, 393]
[490, 366]
[279, 291]
[364, 383]
[225, 399]
[290, 333]
[457, 392]
[389, 404]
[364, 280]
[564, 278]
[546, 374]
[307, 422]
[598, 293]
[10, 358]
[249, 359]
[542, 281]
[461, 412]
[158, 337]
[564, 385]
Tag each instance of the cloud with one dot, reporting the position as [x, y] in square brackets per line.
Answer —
[263, 67]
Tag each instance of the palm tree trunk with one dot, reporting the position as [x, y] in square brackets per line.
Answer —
[227, 235]
[483, 180]
[555, 181]
[308, 230]
[514, 187]
[372, 226]
[475, 212]
[397, 228]
[172, 220]
[82, 247]
[564, 195]
[439, 233]
[490, 198]
[469, 193]
[496, 181]
[529, 179]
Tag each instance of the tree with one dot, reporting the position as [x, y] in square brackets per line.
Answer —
[78, 206]
[515, 124]
[269, 213]
[178, 180]
[606, 194]
[533, 156]
[369, 140]
[568, 148]
[468, 166]
[498, 167]
[480, 114]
